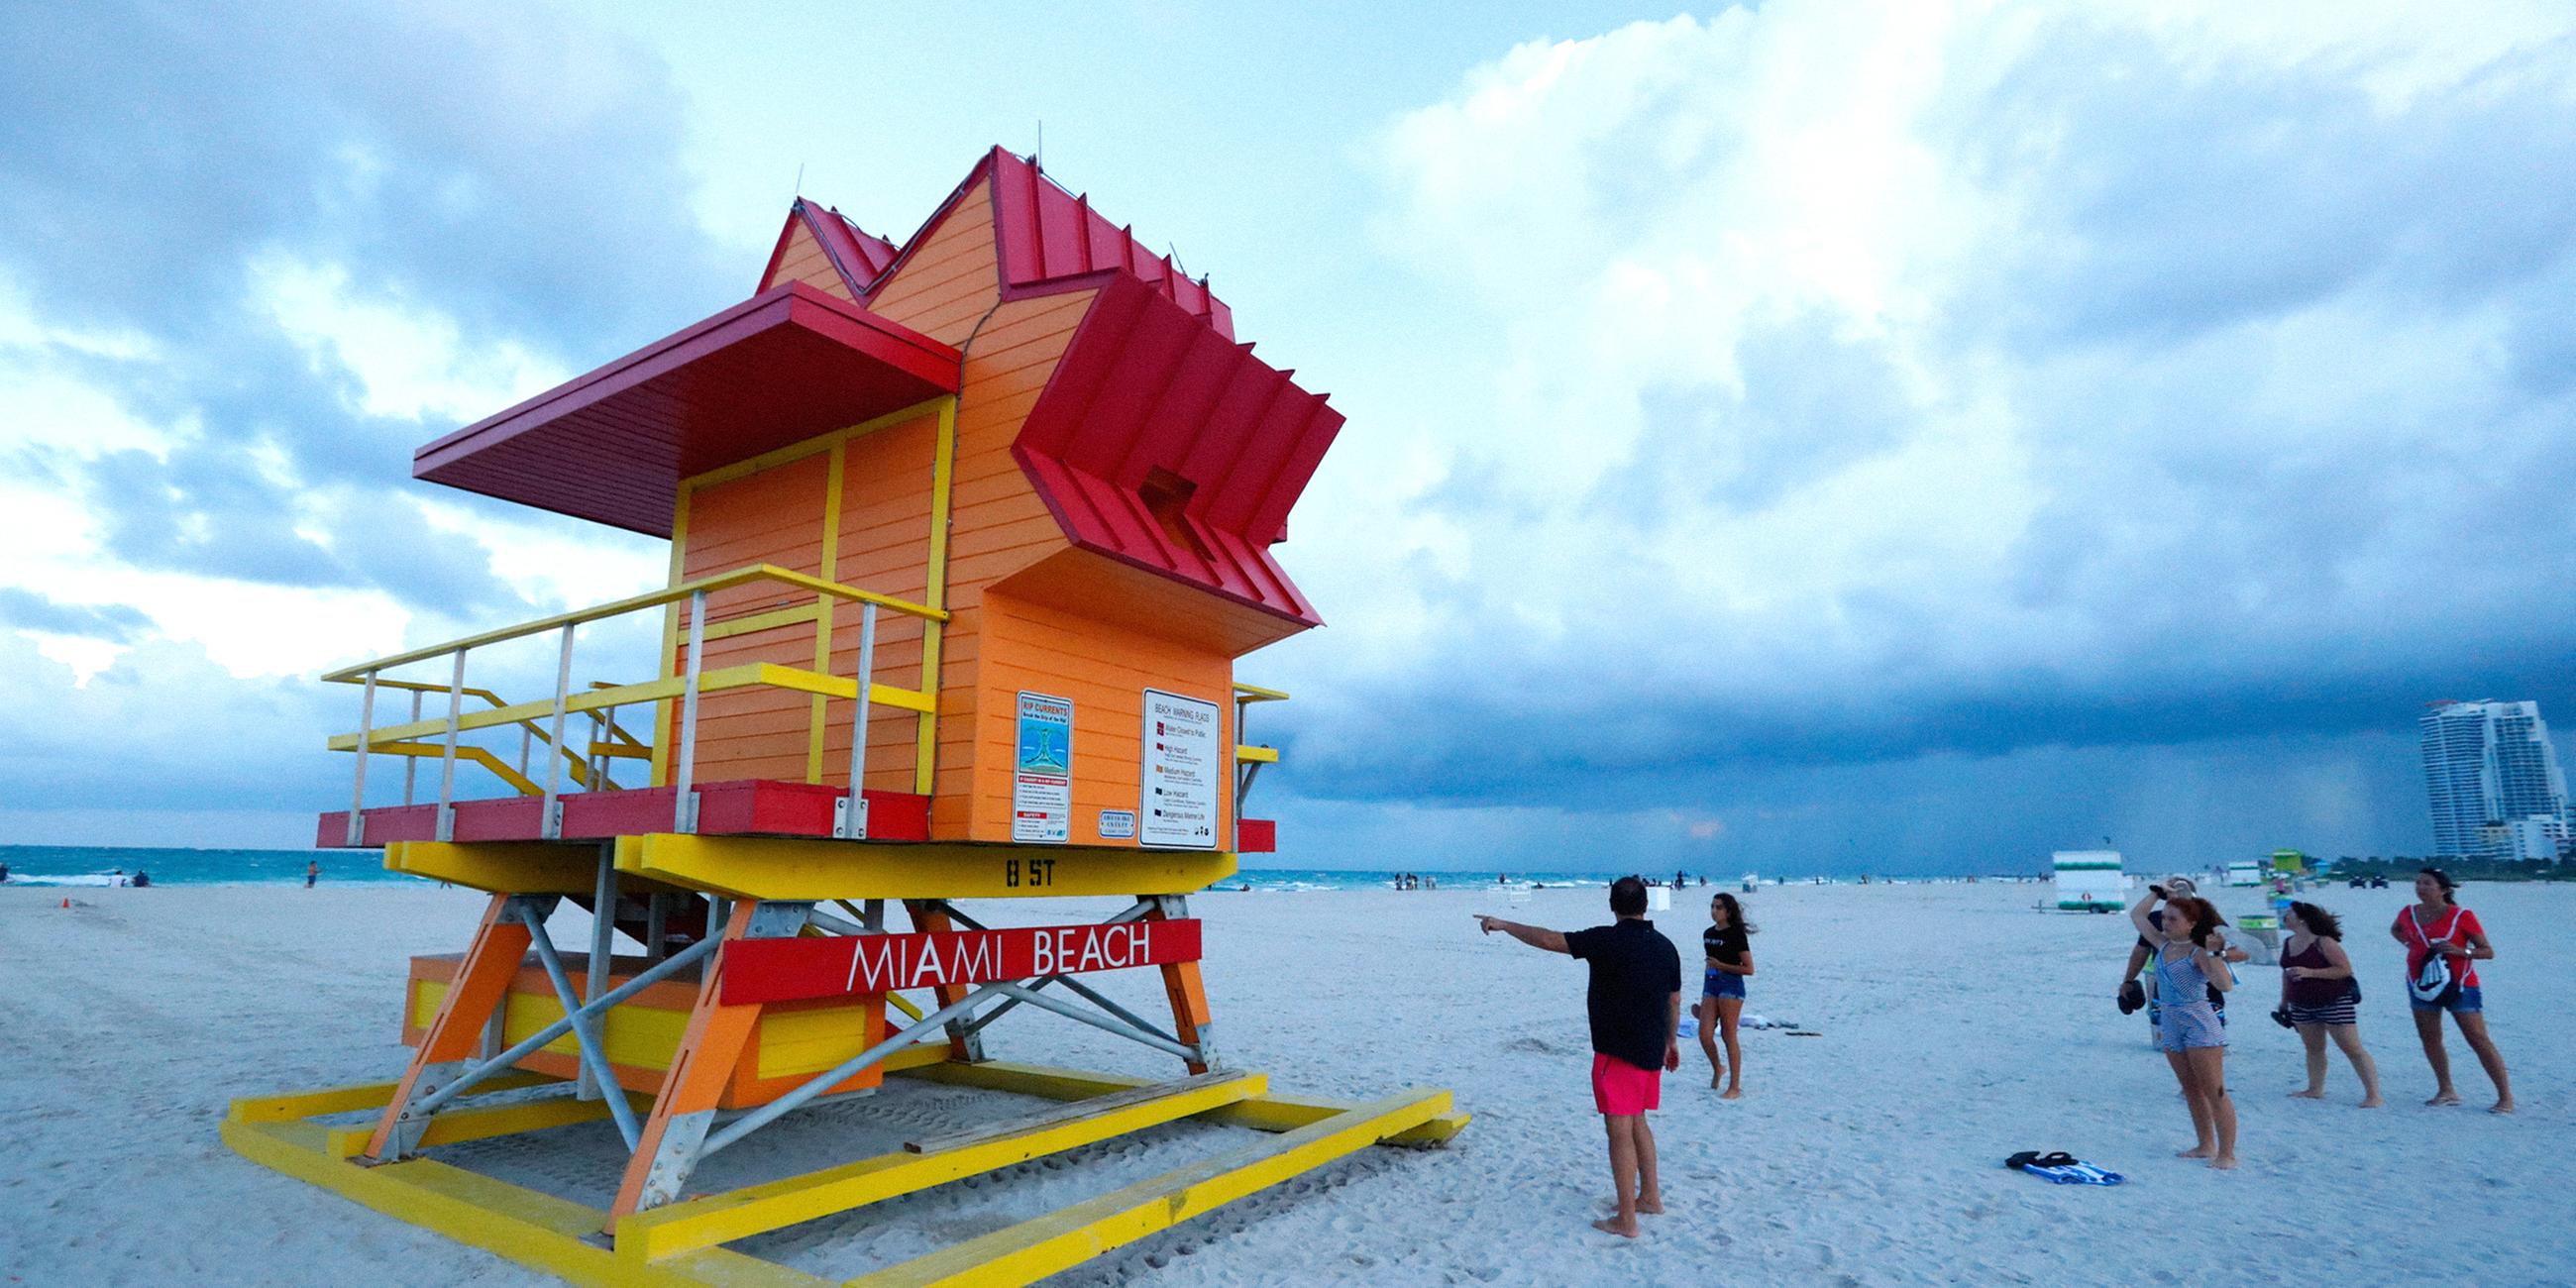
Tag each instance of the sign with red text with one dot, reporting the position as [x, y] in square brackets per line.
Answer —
[788, 970]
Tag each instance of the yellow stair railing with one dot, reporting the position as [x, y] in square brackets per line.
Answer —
[601, 701]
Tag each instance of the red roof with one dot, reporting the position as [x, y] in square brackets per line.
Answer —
[1047, 238]
[1164, 443]
[612, 446]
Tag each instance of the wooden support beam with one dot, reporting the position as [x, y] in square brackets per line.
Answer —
[1079, 1110]
[702, 1223]
[1261, 1113]
[771, 867]
[704, 1062]
[456, 1033]
[515, 867]
[1037, 1248]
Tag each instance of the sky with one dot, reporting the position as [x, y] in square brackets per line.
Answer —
[1799, 437]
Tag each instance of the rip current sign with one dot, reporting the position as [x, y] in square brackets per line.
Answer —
[1042, 774]
[1183, 769]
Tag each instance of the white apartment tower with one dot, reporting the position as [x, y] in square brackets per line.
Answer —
[2494, 781]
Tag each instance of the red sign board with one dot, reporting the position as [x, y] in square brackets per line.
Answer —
[788, 970]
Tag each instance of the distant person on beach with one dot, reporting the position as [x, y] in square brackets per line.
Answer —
[4, 871]
[1634, 1004]
[2188, 960]
[142, 879]
[2322, 1000]
[2436, 921]
[312, 872]
[1721, 998]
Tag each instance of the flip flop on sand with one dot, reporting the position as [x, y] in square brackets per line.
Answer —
[2062, 1168]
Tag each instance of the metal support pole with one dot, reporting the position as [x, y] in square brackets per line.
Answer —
[850, 817]
[587, 1027]
[358, 792]
[684, 806]
[1102, 1022]
[411, 764]
[447, 760]
[657, 929]
[933, 1026]
[550, 824]
[668, 967]
[1135, 910]
[603, 928]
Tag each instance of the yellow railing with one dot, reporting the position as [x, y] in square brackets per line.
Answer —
[617, 744]
[602, 701]
[1249, 757]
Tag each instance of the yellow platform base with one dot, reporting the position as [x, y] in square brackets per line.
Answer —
[678, 1244]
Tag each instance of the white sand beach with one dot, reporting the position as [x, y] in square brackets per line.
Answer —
[1956, 1026]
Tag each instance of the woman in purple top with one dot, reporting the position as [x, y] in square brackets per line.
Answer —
[2322, 999]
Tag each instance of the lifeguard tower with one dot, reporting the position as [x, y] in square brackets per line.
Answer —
[966, 536]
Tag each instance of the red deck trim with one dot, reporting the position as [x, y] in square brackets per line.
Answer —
[750, 807]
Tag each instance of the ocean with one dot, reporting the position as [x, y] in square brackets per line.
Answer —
[83, 865]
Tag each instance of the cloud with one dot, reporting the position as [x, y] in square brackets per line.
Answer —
[1959, 382]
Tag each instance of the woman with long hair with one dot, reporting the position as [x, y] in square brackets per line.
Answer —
[1721, 999]
[2436, 924]
[2322, 999]
[2190, 959]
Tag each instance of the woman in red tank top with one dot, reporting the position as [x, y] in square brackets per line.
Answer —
[2318, 991]
[2436, 923]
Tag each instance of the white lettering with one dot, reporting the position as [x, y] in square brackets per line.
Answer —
[925, 969]
[1091, 951]
[876, 969]
[986, 961]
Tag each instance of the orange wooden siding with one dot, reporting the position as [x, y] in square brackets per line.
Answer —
[1028, 610]
[1104, 671]
[805, 261]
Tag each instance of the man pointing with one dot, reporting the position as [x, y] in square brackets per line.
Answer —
[1635, 1005]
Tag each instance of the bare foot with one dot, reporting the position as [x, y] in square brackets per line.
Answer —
[2313, 1093]
[1611, 1225]
[1717, 1081]
[2199, 1151]
[1731, 1093]
[2444, 1098]
[2373, 1103]
[2224, 1162]
[2504, 1106]
[1651, 1207]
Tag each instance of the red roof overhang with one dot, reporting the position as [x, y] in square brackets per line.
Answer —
[1148, 386]
[612, 446]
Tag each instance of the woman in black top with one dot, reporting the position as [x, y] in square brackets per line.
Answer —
[1730, 961]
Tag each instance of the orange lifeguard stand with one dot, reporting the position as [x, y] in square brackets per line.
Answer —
[966, 537]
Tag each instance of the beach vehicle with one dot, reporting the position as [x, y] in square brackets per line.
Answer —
[2247, 872]
[966, 536]
[2090, 881]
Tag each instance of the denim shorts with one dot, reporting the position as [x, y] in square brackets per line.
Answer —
[2467, 1003]
[1722, 984]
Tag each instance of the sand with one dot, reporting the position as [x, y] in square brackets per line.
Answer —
[1957, 1025]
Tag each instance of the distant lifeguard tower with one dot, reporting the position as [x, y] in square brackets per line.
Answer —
[966, 537]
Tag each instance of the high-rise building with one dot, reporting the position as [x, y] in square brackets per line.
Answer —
[2494, 781]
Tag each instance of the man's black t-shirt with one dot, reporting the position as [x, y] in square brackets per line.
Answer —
[1635, 972]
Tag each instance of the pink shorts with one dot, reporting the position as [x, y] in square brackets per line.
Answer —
[1620, 1089]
